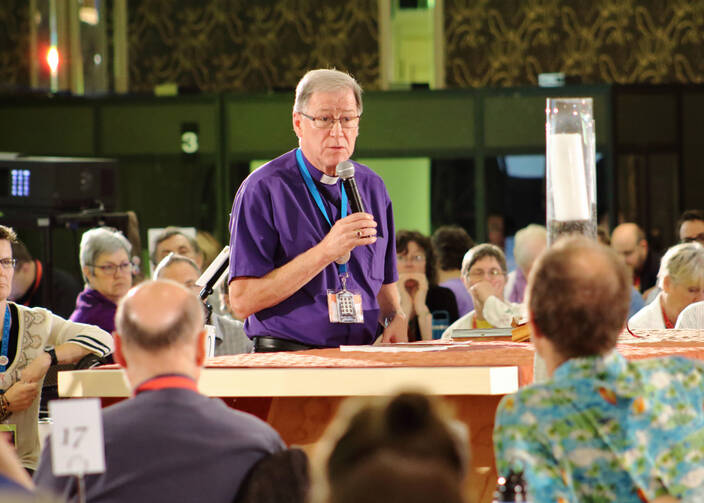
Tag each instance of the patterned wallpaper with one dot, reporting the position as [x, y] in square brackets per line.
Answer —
[509, 42]
[14, 45]
[245, 45]
[258, 45]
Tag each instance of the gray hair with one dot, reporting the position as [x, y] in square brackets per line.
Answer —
[325, 81]
[170, 232]
[523, 252]
[172, 259]
[479, 252]
[99, 240]
[683, 262]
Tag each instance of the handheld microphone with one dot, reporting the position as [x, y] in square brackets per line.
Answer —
[345, 170]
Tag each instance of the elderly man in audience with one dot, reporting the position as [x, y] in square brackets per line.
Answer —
[174, 240]
[691, 226]
[451, 242]
[629, 241]
[484, 276]
[105, 261]
[601, 428]
[229, 334]
[681, 279]
[30, 284]
[33, 340]
[529, 243]
[168, 442]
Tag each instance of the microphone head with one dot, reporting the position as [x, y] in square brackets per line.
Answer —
[345, 170]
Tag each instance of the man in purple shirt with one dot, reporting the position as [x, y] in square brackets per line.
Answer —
[290, 232]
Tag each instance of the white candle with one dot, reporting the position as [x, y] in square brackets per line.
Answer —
[569, 185]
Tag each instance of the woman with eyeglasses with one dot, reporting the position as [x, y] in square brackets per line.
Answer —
[484, 276]
[105, 262]
[421, 296]
[33, 339]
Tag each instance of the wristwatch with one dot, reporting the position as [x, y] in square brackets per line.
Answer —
[52, 353]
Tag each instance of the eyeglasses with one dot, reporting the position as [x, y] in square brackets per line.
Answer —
[8, 263]
[328, 121]
[480, 273]
[410, 258]
[111, 269]
[699, 237]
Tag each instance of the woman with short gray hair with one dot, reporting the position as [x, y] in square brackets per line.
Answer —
[681, 279]
[105, 263]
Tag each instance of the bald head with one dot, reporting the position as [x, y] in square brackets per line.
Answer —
[594, 293]
[159, 314]
[629, 241]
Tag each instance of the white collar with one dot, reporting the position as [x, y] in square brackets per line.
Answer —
[328, 180]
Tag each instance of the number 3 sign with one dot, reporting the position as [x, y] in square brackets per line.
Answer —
[76, 437]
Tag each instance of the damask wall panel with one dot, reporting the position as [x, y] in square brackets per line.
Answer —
[509, 42]
[249, 46]
[14, 45]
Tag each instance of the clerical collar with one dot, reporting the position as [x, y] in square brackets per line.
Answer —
[329, 180]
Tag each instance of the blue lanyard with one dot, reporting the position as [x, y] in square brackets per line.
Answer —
[6, 336]
[319, 200]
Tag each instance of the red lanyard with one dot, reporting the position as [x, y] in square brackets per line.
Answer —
[668, 323]
[167, 381]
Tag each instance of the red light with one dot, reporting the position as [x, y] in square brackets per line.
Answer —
[52, 59]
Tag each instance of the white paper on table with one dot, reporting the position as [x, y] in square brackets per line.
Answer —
[77, 446]
[396, 349]
[568, 179]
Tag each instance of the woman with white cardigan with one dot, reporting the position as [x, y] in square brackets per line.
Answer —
[681, 279]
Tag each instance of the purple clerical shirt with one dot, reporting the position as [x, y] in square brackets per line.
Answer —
[519, 287]
[464, 300]
[275, 219]
[94, 308]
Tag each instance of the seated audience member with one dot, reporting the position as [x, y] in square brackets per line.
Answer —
[105, 261]
[637, 301]
[36, 339]
[409, 427]
[30, 283]
[629, 241]
[174, 240]
[602, 428]
[451, 242]
[417, 284]
[209, 247]
[484, 276]
[691, 227]
[168, 442]
[281, 477]
[529, 243]
[691, 316]
[681, 279]
[230, 338]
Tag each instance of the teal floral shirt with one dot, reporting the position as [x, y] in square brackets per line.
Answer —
[605, 429]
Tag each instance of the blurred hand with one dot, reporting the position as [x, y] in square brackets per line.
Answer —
[37, 368]
[21, 395]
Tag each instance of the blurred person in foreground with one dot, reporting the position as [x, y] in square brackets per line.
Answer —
[602, 428]
[451, 242]
[168, 442]
[104, 255]
[295, 249]
[484, 276]
[681, 281]
[406, 436]
[421, 296]
[230, 338]
[33, 339]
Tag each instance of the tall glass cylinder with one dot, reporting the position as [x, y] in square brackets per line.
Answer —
[570, 168]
